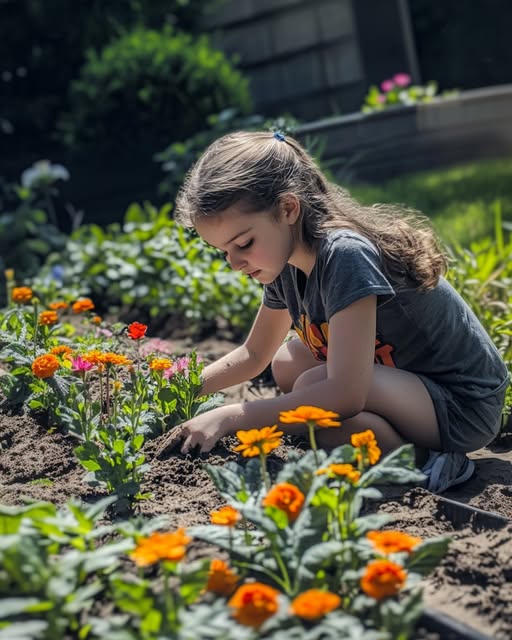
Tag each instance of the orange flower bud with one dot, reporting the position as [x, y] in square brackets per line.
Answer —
[314, 604]
[287, 497]
[221, 579]
[392, 541]
[22, 295]
[383, 579]
[48, 318]
[254, 603]
[160, 546]
[227, 516]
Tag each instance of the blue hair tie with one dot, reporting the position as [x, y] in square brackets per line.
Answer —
[279, 136]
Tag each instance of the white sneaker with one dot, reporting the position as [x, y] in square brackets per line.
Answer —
[445, 470]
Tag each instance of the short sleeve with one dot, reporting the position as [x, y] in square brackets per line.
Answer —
[352, 270]
[273, 296]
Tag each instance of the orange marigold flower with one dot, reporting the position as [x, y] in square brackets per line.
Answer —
[383, 579]
[45, 366]
[22, 295]
[108, 357]
[254, 603]
[221, 579]
[96, 319]
[159, 364]
[287, 497]
[345, 470]
[160, 546]
[226, 516]
[255, 441]
[57, 305]
[314, 604]
[137, 330]
[48, 318]
[61, 350]
[392, 541]
[367, 443]
[94, 356]
[305, 414]
[84, 304]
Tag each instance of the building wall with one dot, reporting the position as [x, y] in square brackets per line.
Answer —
[310, 58]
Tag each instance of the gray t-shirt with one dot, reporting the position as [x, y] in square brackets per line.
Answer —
[433, 334]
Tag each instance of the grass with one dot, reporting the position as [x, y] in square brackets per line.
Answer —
[459, 200]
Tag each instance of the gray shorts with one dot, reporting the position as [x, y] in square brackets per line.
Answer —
[466, 424]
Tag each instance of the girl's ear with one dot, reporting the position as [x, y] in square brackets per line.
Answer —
[290, 208]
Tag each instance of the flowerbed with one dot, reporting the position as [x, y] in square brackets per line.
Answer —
[284, 549]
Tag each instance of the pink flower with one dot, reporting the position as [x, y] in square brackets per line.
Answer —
[180, 365]
[402, 79]
[381, 98]
[387, 85]
[81, 365]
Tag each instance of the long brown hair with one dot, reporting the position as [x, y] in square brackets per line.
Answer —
[255, 169]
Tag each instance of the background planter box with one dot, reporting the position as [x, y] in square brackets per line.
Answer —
[470, 126]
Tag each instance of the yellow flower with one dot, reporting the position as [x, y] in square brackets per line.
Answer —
[22, 295]
[314, 604]
[160, 546]
[9, 275]
[346, 470]
[367, 445]
[383, 579]
[226, 516]
[221, 579]
[305, 414]
[392, 541]
[48, 318]
[254, 603]
[286, 497]
[159, 364]
[45, 366]
[255, 441]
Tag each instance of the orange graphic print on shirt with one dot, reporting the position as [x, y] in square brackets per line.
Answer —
[313, 336]
[316, 338]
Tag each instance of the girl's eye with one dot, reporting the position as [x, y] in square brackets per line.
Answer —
[246, 245]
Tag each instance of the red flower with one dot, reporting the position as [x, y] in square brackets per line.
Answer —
[137, 330]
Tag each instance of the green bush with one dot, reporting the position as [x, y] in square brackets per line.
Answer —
[153, 267]
[151, 85]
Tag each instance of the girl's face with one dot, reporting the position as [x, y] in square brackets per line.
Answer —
[255, 243]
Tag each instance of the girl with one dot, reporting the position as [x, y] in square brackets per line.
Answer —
[382, 338]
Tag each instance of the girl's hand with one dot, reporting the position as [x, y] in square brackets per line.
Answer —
[202, 431]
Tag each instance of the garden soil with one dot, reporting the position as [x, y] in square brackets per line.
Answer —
[473, 583]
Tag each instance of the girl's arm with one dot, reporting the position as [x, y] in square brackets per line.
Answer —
[343, 387]
[268, 331]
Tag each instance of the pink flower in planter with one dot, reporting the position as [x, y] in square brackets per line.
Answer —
[387, 85]
[402, 79]
[381, 98]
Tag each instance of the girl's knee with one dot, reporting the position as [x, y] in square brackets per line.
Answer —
[292, 360]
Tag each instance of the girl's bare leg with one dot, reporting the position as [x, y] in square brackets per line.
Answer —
[398, 409]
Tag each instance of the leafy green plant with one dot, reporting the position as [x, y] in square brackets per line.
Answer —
[148, 85]
[154, 266]
[29, 228]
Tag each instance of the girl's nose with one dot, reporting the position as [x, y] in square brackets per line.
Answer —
[235, 262]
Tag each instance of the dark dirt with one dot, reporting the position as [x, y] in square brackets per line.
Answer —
[473, 583]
